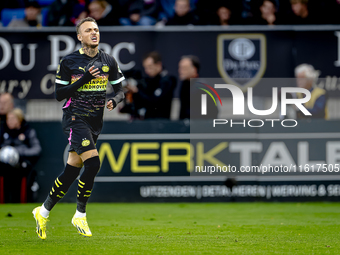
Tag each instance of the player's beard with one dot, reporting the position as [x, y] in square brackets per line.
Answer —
[90, 46]
[93, 46]
[90, 49]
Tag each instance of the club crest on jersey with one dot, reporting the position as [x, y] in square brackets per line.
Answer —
[241, 58]
[105, 69]
[85, 143]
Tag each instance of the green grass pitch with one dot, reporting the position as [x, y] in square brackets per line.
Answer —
[209, 228]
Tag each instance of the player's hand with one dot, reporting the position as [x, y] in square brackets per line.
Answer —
[94, 72]
[111, 104]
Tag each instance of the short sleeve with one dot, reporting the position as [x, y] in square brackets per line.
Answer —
[115, 74]
[63, 76]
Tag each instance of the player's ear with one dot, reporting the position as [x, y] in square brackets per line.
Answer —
[79, 37]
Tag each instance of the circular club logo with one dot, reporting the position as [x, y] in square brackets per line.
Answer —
[241, 49]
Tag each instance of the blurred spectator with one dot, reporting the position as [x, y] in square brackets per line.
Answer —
[18, 159]
[6, 105]
[301, 13]
[33, 17]
[168, 7]
[104, 13]
[67, 12]
[224, 15]
[153, 95]
[132, 78]
[142, 13]
[317, 105]
[183, 14]
[218, 12]
[188, 67]
[268, 14]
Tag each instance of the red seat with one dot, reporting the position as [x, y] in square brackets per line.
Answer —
[23, 190]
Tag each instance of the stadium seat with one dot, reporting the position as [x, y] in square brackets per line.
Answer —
[45, 2]
[23, 190]
[2, 196]
[44, 14]
[8, 14]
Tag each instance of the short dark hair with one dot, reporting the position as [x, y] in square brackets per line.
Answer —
[88, 19]
[195, 61]
[154, 55]
[32, 3]
[299, 1]
[272, 1]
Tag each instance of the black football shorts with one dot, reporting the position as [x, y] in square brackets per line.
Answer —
[80, 137]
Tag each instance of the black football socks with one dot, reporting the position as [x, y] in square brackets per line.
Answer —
[61, 186]
[86, 181]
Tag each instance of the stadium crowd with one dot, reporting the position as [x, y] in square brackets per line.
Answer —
[24, 13]
[19, 151]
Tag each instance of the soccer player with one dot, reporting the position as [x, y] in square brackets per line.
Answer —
[81, 80]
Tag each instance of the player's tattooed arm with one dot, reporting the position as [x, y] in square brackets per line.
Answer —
[62, 91]
[119, 96]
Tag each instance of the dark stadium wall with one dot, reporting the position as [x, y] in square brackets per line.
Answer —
[29, 61]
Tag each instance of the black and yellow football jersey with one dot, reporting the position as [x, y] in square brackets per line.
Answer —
[88, 102]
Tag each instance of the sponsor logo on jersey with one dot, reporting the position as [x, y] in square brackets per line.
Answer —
[105, 69]
[81, 68]
[85, 143]
[98, 84]
[58, 69]
[241, 58]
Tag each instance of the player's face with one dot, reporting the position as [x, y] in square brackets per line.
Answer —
[89, 34]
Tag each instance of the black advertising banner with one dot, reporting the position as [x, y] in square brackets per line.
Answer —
[159, 161]
[29, 59]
